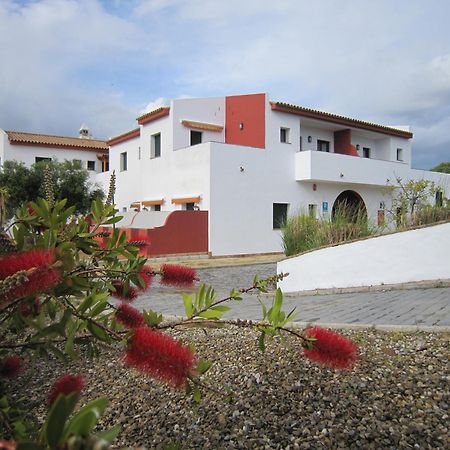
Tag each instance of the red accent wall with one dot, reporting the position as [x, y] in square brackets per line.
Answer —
[342, 143]
[250, 110]
[183, 232]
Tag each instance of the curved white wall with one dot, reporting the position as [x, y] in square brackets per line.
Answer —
[409, 256]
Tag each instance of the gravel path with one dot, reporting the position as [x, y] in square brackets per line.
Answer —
[396, 397]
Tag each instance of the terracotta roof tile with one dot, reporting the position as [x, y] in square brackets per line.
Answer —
[342, 120]
[153, 115]
[202, 125]
[136, 132]
[46, 140]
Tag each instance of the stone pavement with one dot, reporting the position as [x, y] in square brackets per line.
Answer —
[424, 307]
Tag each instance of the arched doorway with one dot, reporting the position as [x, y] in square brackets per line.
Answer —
[350, 207]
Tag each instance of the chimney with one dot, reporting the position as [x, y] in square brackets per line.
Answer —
[84, 132]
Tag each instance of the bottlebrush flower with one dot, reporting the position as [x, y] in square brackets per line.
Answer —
[10, 366]
[127, 295]
[66, 385]
[146, 273]
[331, 349]
[128, 316]
[159, 356]
[178, 275]
[44, 276]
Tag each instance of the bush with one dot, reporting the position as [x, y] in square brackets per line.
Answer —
[302, 232]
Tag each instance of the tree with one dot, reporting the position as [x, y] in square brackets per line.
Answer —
[70, 181]
[443, 167]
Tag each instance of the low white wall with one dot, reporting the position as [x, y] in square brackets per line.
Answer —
[408, 256]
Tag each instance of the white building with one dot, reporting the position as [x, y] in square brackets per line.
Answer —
[250, 162]
[31, 147]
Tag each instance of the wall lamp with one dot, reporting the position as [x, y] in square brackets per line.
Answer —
[241, 126]
[357, 146]
[310, 139]
[341, 175]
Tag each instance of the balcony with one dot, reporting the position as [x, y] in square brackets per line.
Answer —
[337, 168]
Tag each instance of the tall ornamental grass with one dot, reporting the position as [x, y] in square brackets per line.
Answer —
[302, 232]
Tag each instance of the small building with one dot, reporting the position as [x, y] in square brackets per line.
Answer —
[251, 162]
[30, 148]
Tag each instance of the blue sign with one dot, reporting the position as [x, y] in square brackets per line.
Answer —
[324, 206]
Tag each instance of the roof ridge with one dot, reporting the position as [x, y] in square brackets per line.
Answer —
[54, 135]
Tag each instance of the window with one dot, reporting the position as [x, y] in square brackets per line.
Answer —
[105, 165]
[366, 152]
[279, 215]
[155, 208]
[312, 211]
[196, 137]
[323, 146]
[189, 206]
[284, 135]
[41, 158]
[124, 209]
[439, 199]
[123, 162]
[91, 165]
[399, 154]
[156, 146]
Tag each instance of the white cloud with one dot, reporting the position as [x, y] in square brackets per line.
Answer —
[69, 61]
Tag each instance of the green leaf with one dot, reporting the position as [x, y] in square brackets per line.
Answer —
[152, 319]
[112, 220]
[276, 307]
[197, 394]
[98, 332]
[262, 342]
[98, 308]
[203, 366]
[57, 416]
[110, 435]
[216, 312]
[86, 419]
[188, 306]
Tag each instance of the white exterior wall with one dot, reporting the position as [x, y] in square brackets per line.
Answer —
[207, 110]
[405, 257]
[127, 181]
[316, 134]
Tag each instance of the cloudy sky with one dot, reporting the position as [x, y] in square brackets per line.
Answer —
[102, 62]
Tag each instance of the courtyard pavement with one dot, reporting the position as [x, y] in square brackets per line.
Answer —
[422, 307]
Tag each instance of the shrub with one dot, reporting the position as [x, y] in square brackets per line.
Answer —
[43, 315]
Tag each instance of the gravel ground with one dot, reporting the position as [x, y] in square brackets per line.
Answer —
[396, 397]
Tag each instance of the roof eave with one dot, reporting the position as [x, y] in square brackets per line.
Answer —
[340, 120]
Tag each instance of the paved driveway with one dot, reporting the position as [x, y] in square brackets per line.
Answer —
[424, 307]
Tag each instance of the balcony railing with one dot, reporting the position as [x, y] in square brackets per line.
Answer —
[337, 168]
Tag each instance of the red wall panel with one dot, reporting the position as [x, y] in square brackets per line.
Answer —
[250, 111]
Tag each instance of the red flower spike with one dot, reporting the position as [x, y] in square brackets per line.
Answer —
[41, 279]
[66, 385]
[331, 349]
[10, 367]
[177, 275]
[129, 317]
[160, 356]
[146, 273]
[127, 296]
[12, 263]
